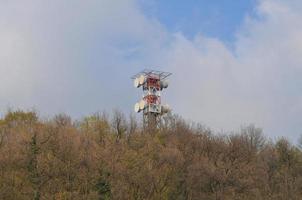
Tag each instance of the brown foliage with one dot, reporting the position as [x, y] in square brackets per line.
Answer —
[98, 158]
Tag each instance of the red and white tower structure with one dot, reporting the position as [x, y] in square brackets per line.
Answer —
[152, 83]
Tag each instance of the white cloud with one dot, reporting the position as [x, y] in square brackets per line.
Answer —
[58, 56]
[259, 82]
[77, 57]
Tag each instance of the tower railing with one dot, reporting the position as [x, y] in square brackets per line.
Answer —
[152, 83]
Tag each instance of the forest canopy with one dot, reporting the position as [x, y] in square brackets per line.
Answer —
[111, 157]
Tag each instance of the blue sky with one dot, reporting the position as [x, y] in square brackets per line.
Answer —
[216, 18]
[233, 62]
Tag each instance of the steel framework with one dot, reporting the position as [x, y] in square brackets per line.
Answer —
[152, 82]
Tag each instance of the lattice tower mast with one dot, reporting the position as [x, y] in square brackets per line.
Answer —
[152, 83]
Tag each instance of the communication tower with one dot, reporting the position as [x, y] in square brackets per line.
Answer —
[152, 83]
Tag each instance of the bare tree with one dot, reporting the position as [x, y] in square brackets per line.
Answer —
[132, 124]
[119, 123]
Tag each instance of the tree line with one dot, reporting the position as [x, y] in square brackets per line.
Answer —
[111, 157]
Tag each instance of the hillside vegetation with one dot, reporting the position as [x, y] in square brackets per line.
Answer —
[101, 157]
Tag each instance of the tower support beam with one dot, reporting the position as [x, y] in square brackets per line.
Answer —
[152, 83]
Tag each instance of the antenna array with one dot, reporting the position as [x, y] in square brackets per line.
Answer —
[152, 83]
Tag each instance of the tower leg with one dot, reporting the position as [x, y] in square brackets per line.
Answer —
[151, 122]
